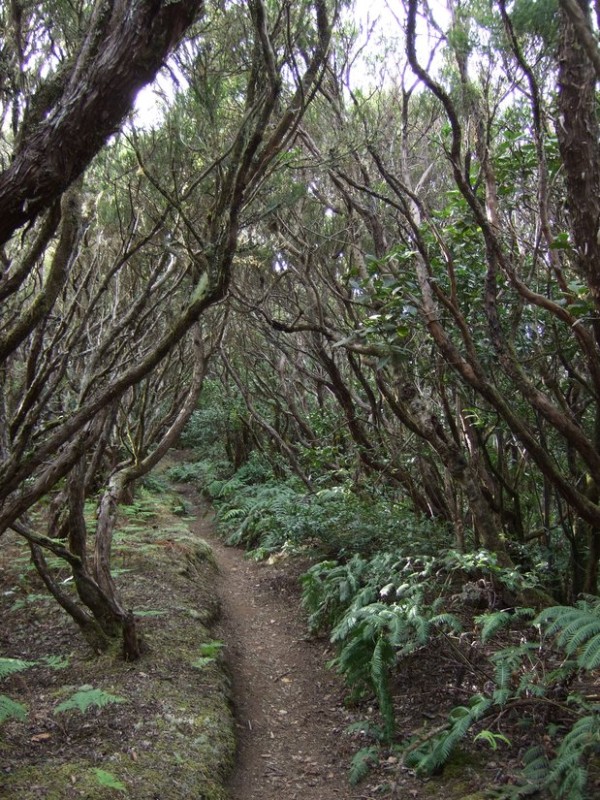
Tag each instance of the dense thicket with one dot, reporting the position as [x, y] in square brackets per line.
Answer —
[102, 349]
[407, 382]
[422, 311]
[385, 259]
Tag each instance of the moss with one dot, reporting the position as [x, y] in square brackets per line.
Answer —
[173, 738]
[461, 774]
[151, 775]
[461, 762]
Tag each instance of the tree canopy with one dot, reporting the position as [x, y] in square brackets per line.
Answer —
[362, 269]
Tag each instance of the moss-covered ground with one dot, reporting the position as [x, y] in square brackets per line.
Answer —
[171, 734]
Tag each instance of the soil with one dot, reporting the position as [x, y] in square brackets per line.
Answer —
[291, 711]
[290, 716]
[170, 736]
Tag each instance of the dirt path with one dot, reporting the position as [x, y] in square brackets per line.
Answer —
[290, 717]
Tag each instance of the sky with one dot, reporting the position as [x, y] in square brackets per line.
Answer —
[374, 16]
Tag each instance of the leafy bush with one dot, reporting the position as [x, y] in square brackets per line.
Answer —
[199, 473]
[378, 612]
[257, 511]
[155, 483]
[255, 472]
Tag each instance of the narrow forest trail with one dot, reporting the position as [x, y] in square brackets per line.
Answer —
[290, 717]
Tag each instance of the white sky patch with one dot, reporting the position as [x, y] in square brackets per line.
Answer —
[382, 44]
[379, 54]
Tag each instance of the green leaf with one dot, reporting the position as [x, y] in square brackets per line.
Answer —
[108, 780]
[8, 666]
[492, 738]
[211, 649]
[56, 662]
[86, 697]
[200, 663]
[9, 709]
[560, 242]
[361, 763]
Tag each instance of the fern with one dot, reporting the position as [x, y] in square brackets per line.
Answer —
[9, 666]
[209, 652]
[536, 766]
[568, 768]
[10, 709]
[435, 751]
[371, 638]
[211, 649]
[361, 763]
[495, 621]
[56, 662]
[108, 780]
[576, 629]
[561, 770]
[87, 697]
[382, 660]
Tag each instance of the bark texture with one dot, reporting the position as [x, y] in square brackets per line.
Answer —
[125, 47]
[578, 136]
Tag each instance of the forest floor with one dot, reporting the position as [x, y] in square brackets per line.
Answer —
[171, 737]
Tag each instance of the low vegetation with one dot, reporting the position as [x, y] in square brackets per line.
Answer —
[386, 587]
[362, 265]
[78, 724]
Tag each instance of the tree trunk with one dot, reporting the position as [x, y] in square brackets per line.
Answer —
[124, 49]
[578, 138]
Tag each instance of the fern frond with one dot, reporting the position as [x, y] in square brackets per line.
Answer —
[495, 621]
[361, 763]
[448, 621]
[503, 675]
[10, 709]
[575, 628]
[8, 666]
[382, 661]
[86, 697]
[579, 632]
[569, 767]
[536, 766]
[108, 780]
[432, 757]
[589, 658]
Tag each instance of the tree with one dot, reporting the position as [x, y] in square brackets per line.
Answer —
[100, 321]
[433, 285]
[93, 79]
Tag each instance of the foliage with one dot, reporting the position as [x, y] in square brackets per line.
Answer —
[361, 763]
[379, 611]
[8, 666]
[577, 630]
[523, 675]
[10, 709]
[201, 474]
[371, 639]
[209, 652]
[257, 511]
[108, 780]
[87, 697]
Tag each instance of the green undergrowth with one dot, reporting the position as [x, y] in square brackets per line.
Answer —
[93, 726]
[387, 587]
